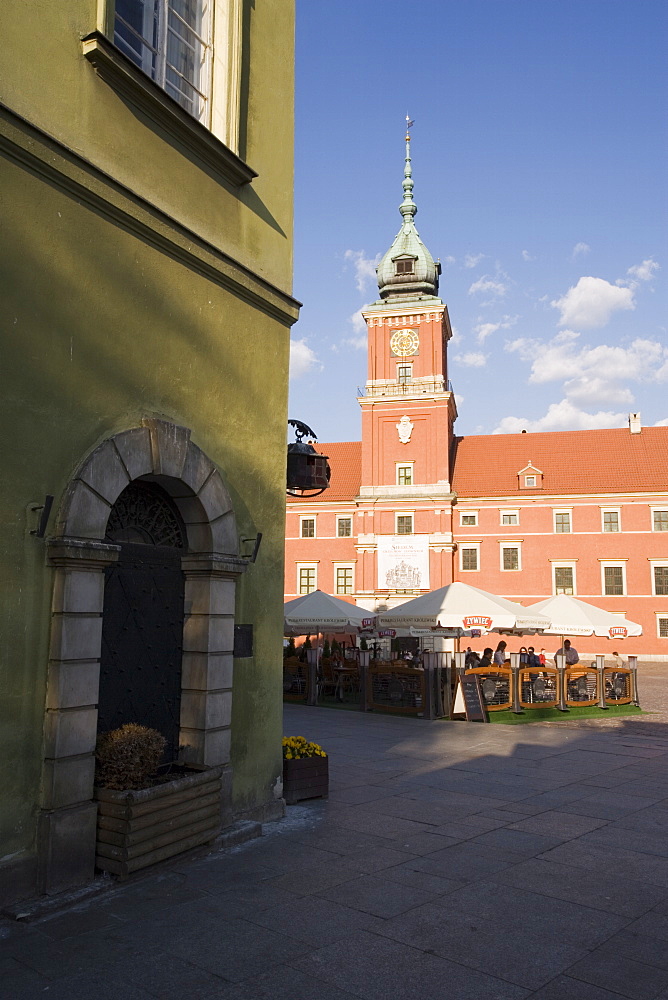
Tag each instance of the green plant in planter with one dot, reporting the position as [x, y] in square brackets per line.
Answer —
[363, 643]
[326, 648]
[290, 649]
[128, 757]
[336, 646]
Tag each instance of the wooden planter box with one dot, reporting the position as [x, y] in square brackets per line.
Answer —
[307, 778]
[139, 828]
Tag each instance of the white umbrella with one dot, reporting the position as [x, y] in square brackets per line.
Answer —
[320, 612]
[568, 616]
[459, 606]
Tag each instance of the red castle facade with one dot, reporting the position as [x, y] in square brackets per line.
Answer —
[412, 506]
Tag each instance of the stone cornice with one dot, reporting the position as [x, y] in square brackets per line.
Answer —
[49, 159]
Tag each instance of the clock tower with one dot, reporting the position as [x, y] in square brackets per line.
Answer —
[408, 407]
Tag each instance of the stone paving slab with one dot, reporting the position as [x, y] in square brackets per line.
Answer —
[452, 861]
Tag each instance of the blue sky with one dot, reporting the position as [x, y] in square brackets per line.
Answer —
[540, 163]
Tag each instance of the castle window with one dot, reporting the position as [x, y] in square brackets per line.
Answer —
[562, 521]
[564, 579]
[404, 266]
[469, 558]
[613, 580]
[660, 579]
[308, 527]
[344, 527]
[404, 475]
[510, 557]
[404, 374]
[660, 520]
[468, 519]
[404, 524]
[306, 579]
[610, 520]
[344, 579]
[510, 517]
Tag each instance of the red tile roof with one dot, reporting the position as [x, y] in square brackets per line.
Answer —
[600, 461]
[345, 461]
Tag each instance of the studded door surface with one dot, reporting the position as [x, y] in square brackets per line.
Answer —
[142, 627]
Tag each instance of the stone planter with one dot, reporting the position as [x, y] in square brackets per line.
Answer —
[138, 828]
[307, 778]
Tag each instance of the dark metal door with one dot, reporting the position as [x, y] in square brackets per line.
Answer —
[142, 626]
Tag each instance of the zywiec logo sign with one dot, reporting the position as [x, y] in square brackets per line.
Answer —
[367, 623]
[477, 621]
[618, 632]
[391, 632]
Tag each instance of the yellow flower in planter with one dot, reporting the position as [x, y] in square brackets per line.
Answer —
[297, 747]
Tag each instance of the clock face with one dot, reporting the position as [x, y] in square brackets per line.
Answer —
[404, 343]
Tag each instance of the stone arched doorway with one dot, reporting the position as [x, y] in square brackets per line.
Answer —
[162, 457]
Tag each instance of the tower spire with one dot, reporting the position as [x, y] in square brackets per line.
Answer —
[407, 271]
[408, 208]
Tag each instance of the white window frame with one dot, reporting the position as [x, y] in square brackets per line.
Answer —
[510, 544]
[660, 615]
[511, 512]
[347, 566]
[562, 510]
[617, 564]
[468, 513]
[344, 517]
[308, 517]
[404, 513]
[220, 78]
[611, 510]
[469, 545]
[306, 566]
[658, 510]
[530, 482]
[565, 564]
[405, 465]
[657, 564]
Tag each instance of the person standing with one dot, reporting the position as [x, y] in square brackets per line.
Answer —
[500, 654]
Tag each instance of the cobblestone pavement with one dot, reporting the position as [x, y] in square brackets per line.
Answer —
[452, 860]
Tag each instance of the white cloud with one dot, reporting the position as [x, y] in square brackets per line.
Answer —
[448, 261]
[474, 359]
[662, 423]
[592, 302]
[563, 416]
[456, 335]
[580, 250]
[302, 359]
[527, 256]
[365, 267]
[484, 330]
[471, 259]
[488, 284]
[560, 360]
[358, 323]
[644, 271]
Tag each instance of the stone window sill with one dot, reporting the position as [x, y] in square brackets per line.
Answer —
[162, 112]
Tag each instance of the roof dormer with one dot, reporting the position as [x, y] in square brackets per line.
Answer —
[530, 478]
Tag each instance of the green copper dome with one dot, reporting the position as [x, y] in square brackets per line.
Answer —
[408, 270]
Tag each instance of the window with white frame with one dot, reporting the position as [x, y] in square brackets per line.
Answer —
[307, 578]
[510, 516]
[404, 524]
[562, 521]
[404, 373]
[659, 519]
[469, 558]
[662, 626]
[343, 579]
[468, 518]
[613, 579]
[610, 520]
[510, 556]
[405, 474]
[660, 579]
[307, 527]
[344, 527]
[563, 578]
[529, 481]
[170, 40]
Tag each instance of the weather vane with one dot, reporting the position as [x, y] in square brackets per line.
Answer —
[409, 124]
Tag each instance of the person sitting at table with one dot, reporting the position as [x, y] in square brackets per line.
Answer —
[500, 653]
[486, 658]
[472, 658]
[570, 652]
[524, 657]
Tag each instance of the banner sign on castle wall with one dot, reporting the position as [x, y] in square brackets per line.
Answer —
[403, 562]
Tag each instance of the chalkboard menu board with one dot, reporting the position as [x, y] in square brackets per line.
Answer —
[474, 703]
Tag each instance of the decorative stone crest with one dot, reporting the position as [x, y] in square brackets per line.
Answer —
[404, 429]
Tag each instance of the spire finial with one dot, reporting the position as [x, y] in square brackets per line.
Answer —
[408, 208]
